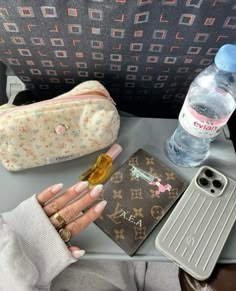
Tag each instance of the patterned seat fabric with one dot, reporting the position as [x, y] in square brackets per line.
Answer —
[146, 52]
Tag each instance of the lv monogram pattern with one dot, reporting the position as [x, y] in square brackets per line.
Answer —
[145, 52]
[138, 194]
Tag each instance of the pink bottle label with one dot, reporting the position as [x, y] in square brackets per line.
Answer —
[198, 124]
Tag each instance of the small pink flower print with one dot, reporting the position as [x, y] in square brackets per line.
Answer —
[22, 129]
[62, 145]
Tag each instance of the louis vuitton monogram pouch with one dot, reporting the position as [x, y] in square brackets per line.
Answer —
[139, 194]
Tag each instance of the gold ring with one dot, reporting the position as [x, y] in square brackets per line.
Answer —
[61, 221]
[65, 234]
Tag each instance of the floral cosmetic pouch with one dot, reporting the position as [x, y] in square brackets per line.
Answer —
[77, 123]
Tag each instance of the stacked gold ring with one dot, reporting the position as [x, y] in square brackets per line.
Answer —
[61, 221]
[64, 233]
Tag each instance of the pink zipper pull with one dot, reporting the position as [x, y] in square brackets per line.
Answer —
[60, 129]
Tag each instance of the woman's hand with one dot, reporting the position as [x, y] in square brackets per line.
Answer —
[68, 211]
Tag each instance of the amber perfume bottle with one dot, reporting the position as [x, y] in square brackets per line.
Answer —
[101, 169]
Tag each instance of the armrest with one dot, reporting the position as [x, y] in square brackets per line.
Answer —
[13, 85]
[223, 278]
[3, 81]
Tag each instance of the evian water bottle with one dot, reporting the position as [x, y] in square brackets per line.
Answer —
[210, 101]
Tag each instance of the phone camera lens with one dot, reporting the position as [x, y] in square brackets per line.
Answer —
[203, 182]
[217, 184]
[209, 173]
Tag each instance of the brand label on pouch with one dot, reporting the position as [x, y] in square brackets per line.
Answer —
[52, 160]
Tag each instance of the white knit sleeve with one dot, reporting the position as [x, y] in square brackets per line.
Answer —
[31, 251]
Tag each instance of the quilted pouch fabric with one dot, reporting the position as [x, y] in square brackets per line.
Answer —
[77, 123]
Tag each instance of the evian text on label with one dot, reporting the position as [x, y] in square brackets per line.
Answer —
[204, 126]
[197, 124]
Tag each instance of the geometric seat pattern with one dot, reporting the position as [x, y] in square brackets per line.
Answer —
[146, 52]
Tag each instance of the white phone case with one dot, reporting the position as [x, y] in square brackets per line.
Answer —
[197, 229]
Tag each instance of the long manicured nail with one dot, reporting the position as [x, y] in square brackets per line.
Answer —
[100, 206]
[56, 188]
[81, 186]
[96, 191]
[78, 253]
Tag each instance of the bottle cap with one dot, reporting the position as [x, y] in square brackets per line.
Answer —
[114, 151]
[225, 58]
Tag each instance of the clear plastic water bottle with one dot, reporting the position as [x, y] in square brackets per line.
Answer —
[210, 101]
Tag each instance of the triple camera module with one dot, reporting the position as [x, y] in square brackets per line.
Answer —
[211, 181]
